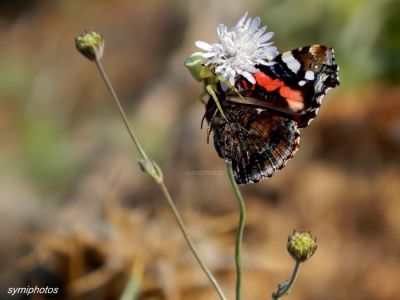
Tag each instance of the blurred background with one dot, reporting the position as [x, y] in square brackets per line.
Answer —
[76, 212]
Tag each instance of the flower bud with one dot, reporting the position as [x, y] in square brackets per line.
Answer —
[301, 245]
[90, 45]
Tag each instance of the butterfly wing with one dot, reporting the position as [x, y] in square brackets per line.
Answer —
[295, 85]
[261, 131]
[254, 141]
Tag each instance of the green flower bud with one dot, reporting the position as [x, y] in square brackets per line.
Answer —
[90, 45]
[301, 245]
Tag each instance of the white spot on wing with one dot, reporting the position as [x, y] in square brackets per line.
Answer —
[259, 110]
[309, 75]
[302, 82]
[291, 62]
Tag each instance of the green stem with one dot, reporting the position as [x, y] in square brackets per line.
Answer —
[159, 180]
[110, 88]
[284, 288]
[190, 243]
[239, 233]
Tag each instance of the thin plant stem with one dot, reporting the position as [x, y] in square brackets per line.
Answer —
[284, 288]
[239, 233]
[160, 182]
[189, 241]
[121, 110]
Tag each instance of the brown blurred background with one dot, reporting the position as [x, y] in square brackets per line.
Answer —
[76, 213]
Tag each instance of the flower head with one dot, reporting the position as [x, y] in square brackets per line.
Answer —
[90, 45]
[239, 49]
[301, 245]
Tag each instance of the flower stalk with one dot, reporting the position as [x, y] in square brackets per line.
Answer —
[284, 288]
[223, 66]
[301, 246]
[238, 52]
[121, 110]
[91, 46]
[240, 230]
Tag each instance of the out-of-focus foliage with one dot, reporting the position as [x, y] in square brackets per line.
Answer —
[365, 34]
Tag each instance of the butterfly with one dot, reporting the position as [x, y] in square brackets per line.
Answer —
[260, 132]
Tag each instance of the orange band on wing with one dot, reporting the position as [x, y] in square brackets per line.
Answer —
[293, 97]
[267, 82]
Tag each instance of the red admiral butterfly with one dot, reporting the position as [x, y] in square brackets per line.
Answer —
[261, 130]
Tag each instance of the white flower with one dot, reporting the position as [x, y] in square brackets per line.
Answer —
[239, 50]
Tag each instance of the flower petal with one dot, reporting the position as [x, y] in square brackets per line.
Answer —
[250, 78]
[255, 24]
[267, 36]
[221, 30]
[239, 49]
[241, 21]
[203, 45]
